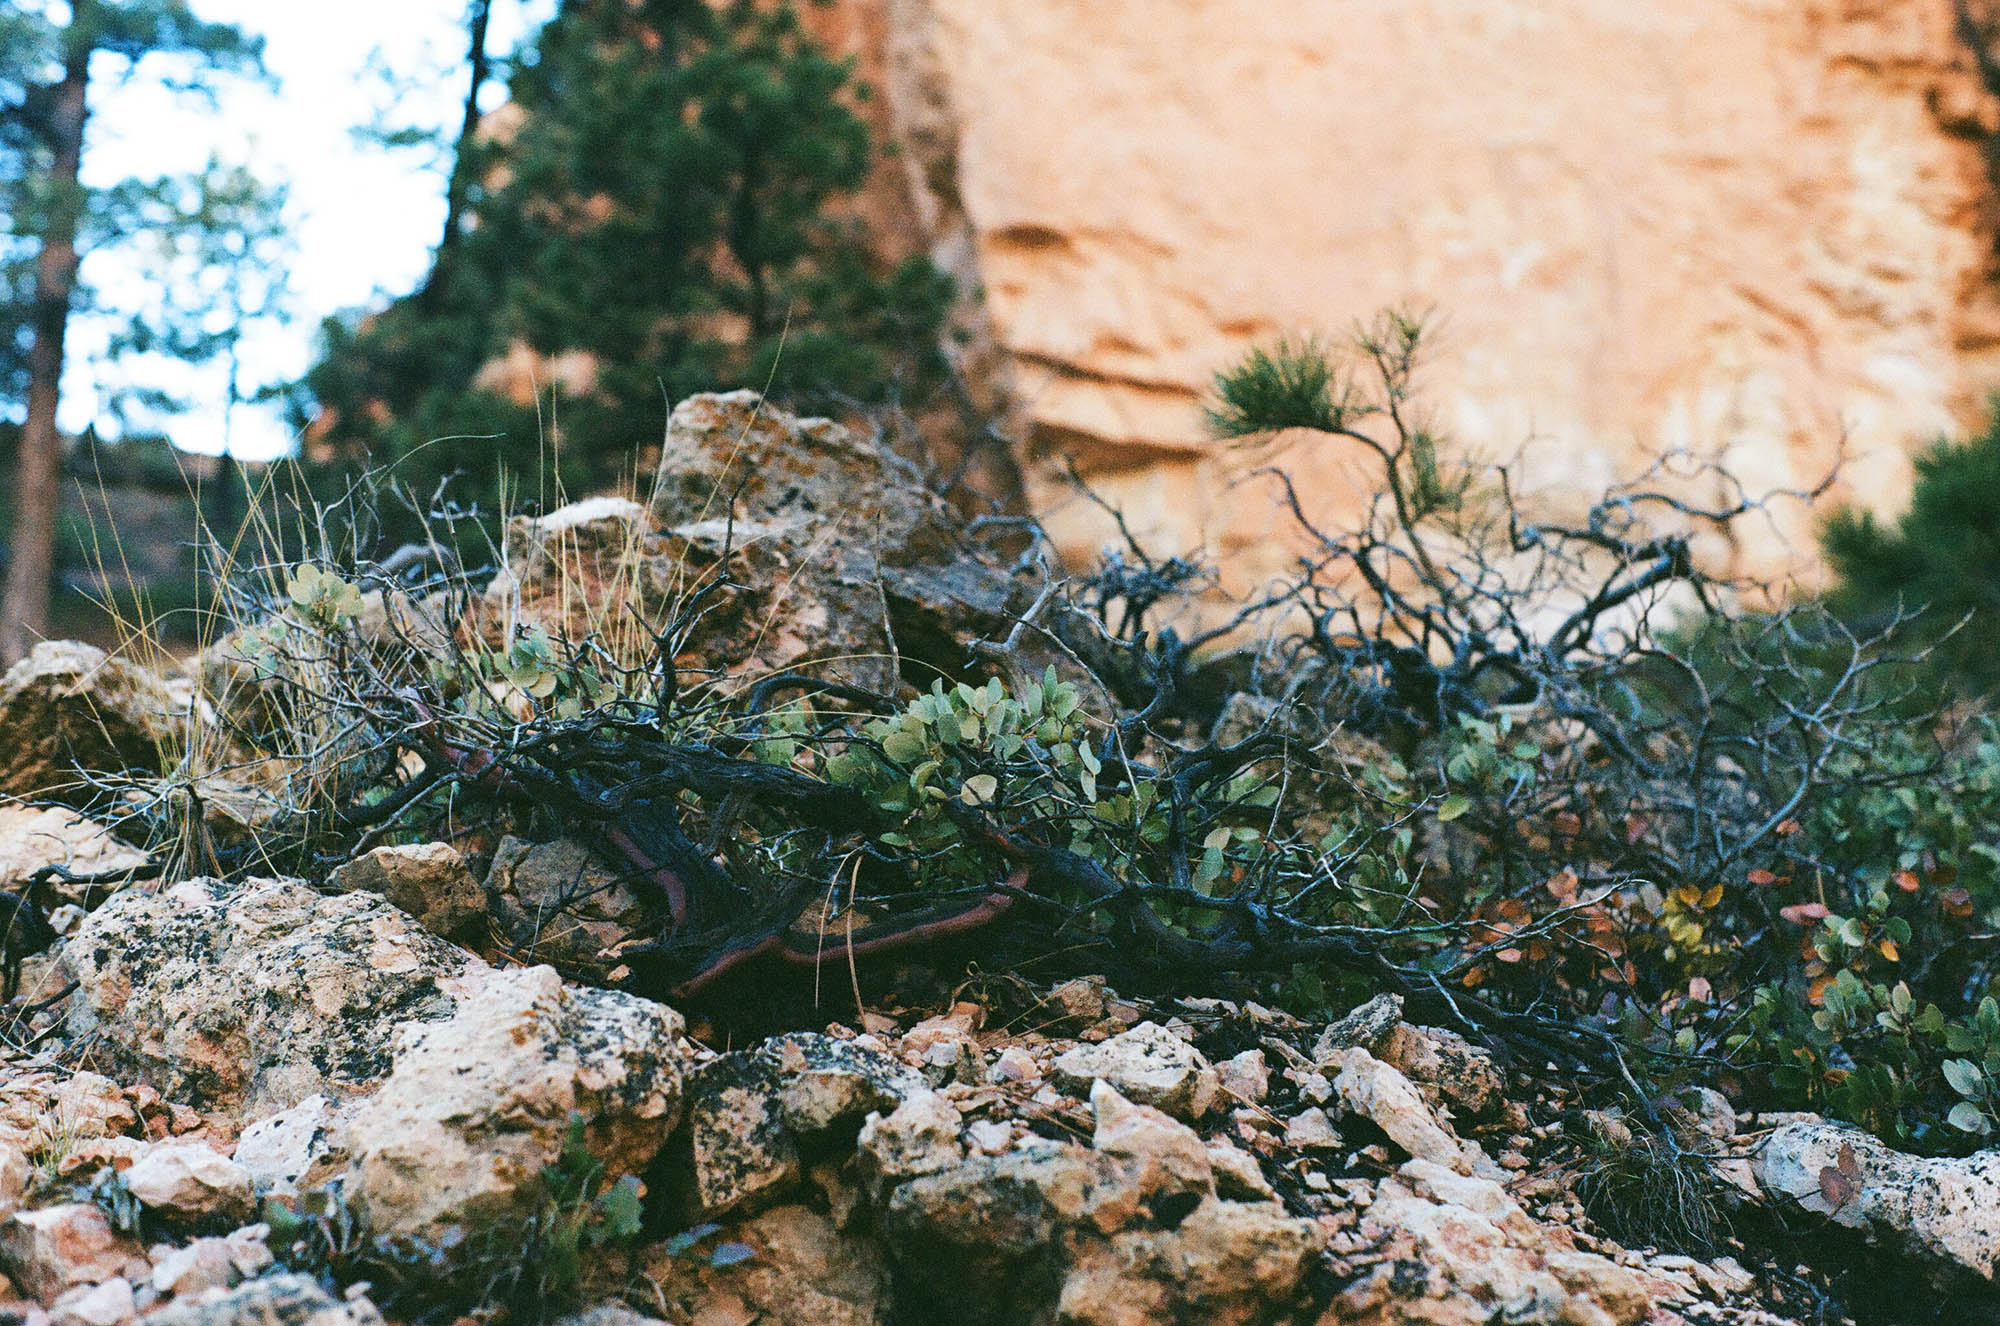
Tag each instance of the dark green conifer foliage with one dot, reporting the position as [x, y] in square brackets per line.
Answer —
[1942, 555]
[663, 206]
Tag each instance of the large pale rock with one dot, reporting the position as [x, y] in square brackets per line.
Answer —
[918, 1137]
[1147, 1064]
[212, 1263]
[1372, 1089]
[189, 1179]
[1128, 1231]
[1753, 229]
[1369, 1026]
[1944, 1212]
[279, 1149]
[806, 1272]
[1450, 1070]
[1226, 1263]
[107, 1304]
[1168, 1153]
[69, 708]
[14, 1174]
[861, 559]
[32, 837]
[253, 995]
[478, 1105]
[818, 545]
[430, 881]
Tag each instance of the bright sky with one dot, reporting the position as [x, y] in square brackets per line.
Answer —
[364, 219]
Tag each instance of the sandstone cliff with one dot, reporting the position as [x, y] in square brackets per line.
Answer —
[1749, 227]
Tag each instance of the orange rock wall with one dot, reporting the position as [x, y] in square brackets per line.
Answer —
[1748, 227]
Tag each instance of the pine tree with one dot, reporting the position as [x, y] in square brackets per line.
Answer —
[661, 205]
[53, 218]
[1938, 557]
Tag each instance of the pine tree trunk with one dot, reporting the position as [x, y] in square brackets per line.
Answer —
[460, 182]
[24, 610]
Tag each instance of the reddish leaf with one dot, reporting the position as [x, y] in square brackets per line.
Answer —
[1804, 913]
[1837, 1188]
[1761, 876]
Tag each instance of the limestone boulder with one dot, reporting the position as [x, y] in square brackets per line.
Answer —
[70, 709]
[32, 837]
[212, 1263]
[920, 1136]
[1368, 1088]
[808, 543]
[112, 1303]
[1369, 1026]
[189, 1180]
[1942, 1212]
[1130, 1229]
[454, 1143]
[804, 1271]
[1451, 1071]
[253, 995]
[280, 1149]
[1228, 1263]
[1453, 1250]
[55, 1248]
[874, 561]
[1149, 1065]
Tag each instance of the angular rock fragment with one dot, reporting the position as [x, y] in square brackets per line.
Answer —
[430, 881]
[918, 1137]
[280, 1148]
[189, 1179]
[32, 837]
[560, 903]
[53, 1248]
[1149, 1065]
[1372, 1089]
[1457, 1251]
[750, 1112]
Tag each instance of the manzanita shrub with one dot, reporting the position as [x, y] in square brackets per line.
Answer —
[1542, 779]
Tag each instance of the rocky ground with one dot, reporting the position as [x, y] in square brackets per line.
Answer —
[247, 1074]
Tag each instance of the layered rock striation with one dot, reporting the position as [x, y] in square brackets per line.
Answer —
[1757, 230]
